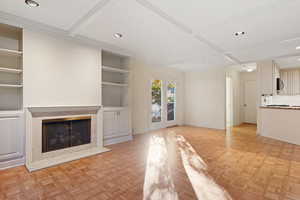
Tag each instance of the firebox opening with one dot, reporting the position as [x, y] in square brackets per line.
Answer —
[65, 132]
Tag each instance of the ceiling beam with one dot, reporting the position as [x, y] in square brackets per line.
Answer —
[181, 26]
[28, 24]
[85, 18]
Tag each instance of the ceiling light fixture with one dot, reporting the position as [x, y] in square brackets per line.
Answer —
[298, 48]
[118, 35]
[239, 33]
[250, 70]
[32, 3]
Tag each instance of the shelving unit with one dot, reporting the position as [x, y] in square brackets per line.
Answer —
[9, 52]
[115, 76]
[11, 86]
[113, 69]
[11, 96]
[115, 98]
[11, 68]
[115, 84]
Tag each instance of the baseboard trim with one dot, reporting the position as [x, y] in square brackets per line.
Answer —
[212, 128]
[12, 163]
[117, 140]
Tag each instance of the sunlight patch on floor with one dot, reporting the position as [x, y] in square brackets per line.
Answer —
[158, 183]
[196, 169]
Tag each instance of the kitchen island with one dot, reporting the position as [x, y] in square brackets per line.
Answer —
[281, 123]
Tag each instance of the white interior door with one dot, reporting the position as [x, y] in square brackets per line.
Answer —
[250, 102]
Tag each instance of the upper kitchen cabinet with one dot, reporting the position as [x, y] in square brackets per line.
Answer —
[266, 69]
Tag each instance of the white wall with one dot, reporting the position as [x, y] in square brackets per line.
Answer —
[141, 89]
[59, 72]
[205, 98]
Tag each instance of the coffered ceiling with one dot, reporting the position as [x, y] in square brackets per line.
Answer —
[190, 35]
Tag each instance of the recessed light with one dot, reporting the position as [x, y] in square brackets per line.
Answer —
[118, 35]
[298, 48]
[239, 33]
[32, 3]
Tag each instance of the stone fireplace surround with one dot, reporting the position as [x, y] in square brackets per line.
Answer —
[35, 159]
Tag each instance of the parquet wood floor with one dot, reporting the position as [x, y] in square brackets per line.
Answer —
[246, 166]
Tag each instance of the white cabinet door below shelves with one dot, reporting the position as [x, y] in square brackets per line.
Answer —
[123, 121]
[110, 123]
[11, 138]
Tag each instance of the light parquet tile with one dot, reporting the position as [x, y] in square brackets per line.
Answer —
[247, 166]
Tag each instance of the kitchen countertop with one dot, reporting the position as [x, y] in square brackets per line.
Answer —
[281, 107]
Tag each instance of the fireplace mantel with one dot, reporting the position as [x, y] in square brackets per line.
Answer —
[63, 110]
[36, 159]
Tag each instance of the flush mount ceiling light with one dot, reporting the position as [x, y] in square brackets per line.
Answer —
[250, 70]
[298, 48]
[118, 35]
[239, 33]
[32, 3]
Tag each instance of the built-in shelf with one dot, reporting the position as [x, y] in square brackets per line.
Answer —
[113, 69]
[114, 84]
[114, 108]
[9, 52]
[10, 70]
[10, 112]
[11, 85]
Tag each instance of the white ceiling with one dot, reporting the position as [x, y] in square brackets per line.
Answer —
[194, 34]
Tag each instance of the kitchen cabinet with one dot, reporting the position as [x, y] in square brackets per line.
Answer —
[116, 125]
[12, 139]
[267, 77]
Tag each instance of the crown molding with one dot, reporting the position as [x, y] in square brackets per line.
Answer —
[24, 23]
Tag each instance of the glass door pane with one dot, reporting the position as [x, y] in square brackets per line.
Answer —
[171, 101]
[156, 107]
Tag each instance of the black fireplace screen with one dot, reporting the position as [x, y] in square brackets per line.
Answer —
[63, 133]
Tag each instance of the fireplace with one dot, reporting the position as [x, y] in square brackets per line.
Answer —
[65, 132]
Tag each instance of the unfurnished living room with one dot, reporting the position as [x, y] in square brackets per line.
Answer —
[149, 100]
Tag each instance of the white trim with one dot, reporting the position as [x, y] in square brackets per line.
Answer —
[116, 140]
[12, 163]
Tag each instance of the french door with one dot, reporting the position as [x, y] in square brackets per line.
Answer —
[163, 104]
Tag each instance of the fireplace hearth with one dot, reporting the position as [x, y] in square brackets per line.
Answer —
[65, 132]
